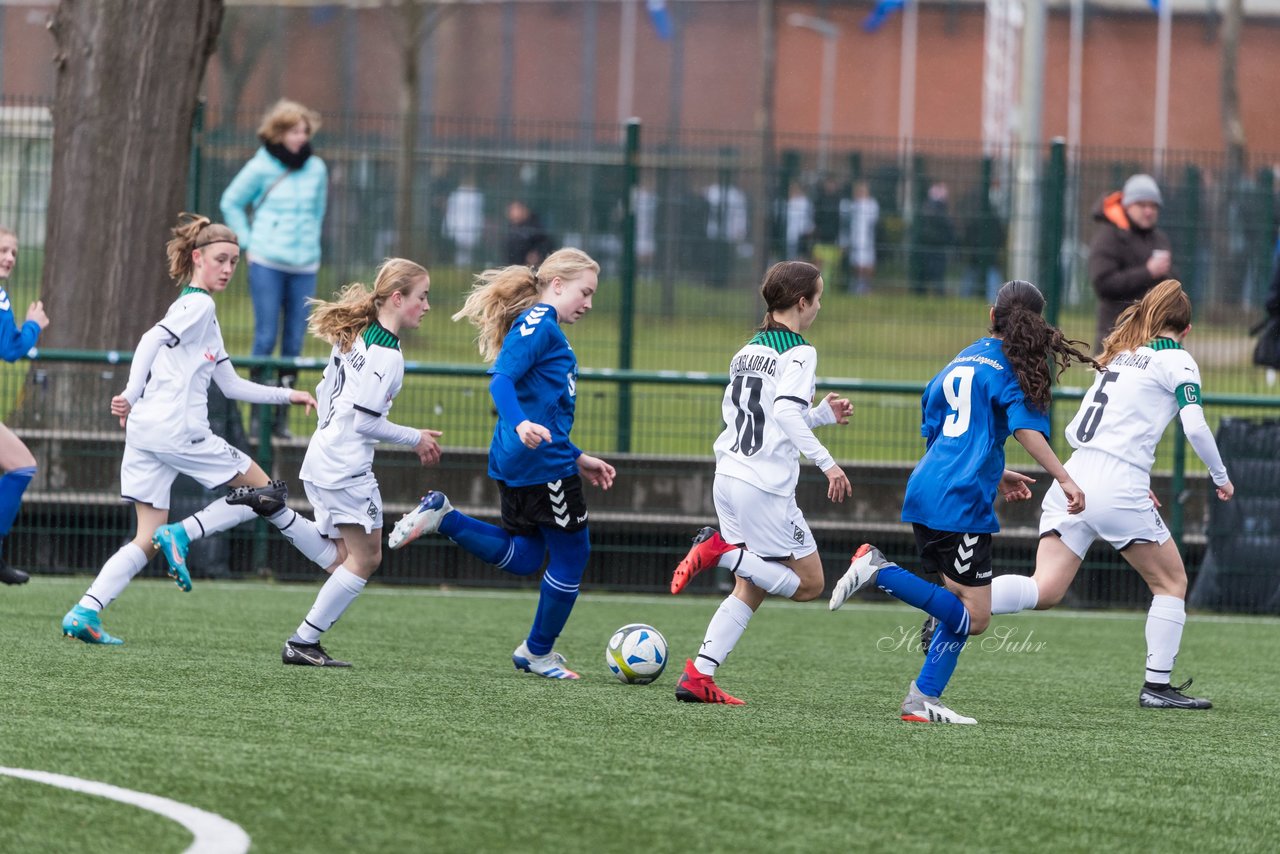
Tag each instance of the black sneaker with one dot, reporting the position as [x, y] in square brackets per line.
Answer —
[309, 655]
[1168, 697]
[9, 575]
[926, 633]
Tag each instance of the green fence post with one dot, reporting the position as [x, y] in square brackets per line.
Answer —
[855, 165]
[1178, 484]
[1266, 231]
[788, 171]
[1052, 228]
[197, 143]
[626, 317]
[1191, 276]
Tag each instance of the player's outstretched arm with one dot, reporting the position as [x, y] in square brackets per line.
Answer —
[1038, 447]
[596, 471]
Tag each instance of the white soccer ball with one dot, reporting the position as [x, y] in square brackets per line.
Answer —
[636, 654]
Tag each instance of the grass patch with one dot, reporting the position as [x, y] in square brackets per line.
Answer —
[434, 743]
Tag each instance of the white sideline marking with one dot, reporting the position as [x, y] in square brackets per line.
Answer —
[213, 833]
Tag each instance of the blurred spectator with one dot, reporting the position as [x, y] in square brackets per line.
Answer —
[934, 234]
[527, 241]
[645, 202]
[984, 238]
[799, 222]
[1128, 255]
[727, 225]
[860, 215]
[826, 232]
[276, 206]
[464, 221]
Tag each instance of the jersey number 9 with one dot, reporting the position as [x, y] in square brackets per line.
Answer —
[958, 388]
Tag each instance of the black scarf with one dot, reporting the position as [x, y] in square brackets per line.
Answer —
[292, 162]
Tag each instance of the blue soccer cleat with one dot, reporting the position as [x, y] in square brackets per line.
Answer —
[173, 542]
[423, 519]
[550, 665]
[83, 624]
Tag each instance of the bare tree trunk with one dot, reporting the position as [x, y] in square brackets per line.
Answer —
[128, 74]
[420, 19]
[1231, 254]
[413, 17]
[248, 30]
[761, 232]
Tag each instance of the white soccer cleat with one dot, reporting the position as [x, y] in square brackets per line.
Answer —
[866, 565]
[423, 519]
[550, 665]
[919, 708]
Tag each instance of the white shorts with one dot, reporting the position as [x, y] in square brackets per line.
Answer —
[147, 476]
[1117, 505]
[770, 526]
[352, 505]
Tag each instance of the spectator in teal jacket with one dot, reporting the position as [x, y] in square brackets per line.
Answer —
[276, 207]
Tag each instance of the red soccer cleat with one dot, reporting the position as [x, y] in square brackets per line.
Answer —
[708, 545]
[695, 687]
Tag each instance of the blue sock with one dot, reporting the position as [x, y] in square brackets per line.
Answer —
[569, 553]
[928, 597]
[940, 661]
[12, 485]
[518, 555]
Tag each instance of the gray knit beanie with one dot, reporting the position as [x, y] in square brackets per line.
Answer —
[1140, 188]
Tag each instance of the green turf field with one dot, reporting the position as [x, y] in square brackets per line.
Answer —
[434, 743]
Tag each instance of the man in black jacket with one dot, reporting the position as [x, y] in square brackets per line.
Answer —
[1128, 255]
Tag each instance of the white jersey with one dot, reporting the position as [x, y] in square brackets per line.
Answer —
[1129, 406]
[773, 366]
[173, 411]
[364, 379]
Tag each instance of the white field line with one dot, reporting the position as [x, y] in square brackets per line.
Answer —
[213, 833]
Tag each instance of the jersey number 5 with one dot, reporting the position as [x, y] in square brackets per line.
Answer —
[958, 388]
[1093, 415]
[749, 423]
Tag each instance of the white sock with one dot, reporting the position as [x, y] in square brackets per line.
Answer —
[1013, 593]
[1165, 620]
[306, 537]
[218, 516]
[771, 576]
[114, 577]
[726, 626]
[334, 597]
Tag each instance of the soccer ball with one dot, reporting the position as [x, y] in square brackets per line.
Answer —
[636, 654]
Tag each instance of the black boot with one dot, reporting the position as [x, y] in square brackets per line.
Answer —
[9, 575]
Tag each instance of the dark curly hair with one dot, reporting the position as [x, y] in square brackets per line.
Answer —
[1031, 344]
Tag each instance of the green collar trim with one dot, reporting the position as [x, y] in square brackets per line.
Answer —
[780, 340]
[377, 335]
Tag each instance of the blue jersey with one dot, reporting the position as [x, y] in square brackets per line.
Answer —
[969, 409]
[15, 341]
[537, 358]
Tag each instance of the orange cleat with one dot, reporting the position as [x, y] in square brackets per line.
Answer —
[708, 545]
[695, 687]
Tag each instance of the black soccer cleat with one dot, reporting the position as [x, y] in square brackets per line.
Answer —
[309, 655]
[1168, 697]
[264, 500]
[927, 629]
[9, 575]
